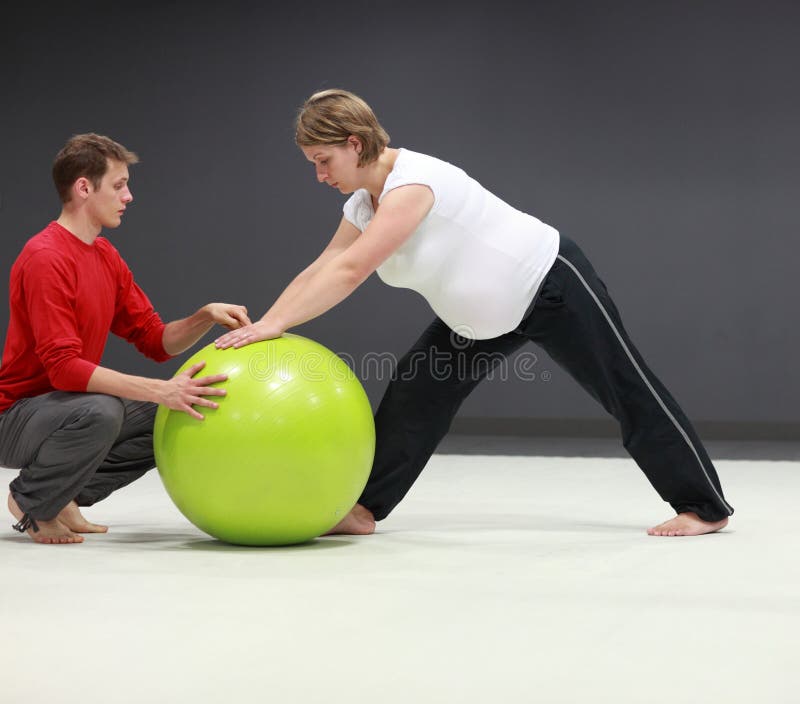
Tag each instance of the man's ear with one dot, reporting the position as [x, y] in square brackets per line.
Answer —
[82, 188]
[355, 142]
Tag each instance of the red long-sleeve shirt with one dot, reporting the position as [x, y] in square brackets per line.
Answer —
[65, 296]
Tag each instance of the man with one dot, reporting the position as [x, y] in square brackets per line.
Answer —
[76, 430]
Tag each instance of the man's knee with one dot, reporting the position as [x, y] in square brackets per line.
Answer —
[104, 414]
[140, 416]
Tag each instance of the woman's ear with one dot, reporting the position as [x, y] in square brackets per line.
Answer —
[355, 142]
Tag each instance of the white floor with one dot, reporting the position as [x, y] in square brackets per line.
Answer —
[499, 579]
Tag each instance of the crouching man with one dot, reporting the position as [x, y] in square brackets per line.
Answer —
[75, 430]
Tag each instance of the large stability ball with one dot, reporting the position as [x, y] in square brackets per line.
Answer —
[284, 457]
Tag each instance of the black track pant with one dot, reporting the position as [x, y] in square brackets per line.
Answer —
[575, 321]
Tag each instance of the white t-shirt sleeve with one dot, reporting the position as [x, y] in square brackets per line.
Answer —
[350, 209]
[357, 209]
[411, 170]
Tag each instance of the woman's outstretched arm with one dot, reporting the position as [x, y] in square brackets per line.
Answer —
[343, 270]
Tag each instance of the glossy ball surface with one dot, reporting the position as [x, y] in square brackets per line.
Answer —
[285, 456]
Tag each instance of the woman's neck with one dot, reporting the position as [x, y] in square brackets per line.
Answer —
[378, 172]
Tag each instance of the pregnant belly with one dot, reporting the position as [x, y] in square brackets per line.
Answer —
[480, 312]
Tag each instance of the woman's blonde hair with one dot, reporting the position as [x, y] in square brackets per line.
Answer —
[330, 116]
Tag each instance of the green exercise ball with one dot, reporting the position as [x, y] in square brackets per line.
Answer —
[285, 456]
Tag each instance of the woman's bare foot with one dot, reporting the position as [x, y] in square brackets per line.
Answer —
[359, 521]
[687, 524]
[50, 532]
[73, 519]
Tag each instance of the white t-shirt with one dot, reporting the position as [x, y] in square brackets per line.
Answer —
[476, 260]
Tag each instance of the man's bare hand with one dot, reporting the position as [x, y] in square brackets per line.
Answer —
[183, 391]
[228, 315]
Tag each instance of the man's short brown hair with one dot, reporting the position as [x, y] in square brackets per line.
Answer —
[86, 155]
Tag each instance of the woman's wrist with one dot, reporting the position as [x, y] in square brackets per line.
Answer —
[273, 323]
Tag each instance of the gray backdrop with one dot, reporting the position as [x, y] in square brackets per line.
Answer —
[662, 136]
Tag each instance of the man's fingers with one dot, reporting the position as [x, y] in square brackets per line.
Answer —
[193, 401]
[215, 379]
[233, 317]
[240, 314]
[193, 413]
[200, 401]
[191, 371]
[209, 391]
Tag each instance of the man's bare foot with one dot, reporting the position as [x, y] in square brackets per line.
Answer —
[359, 521]
[50, 532]
[687, 524]
[73, 519]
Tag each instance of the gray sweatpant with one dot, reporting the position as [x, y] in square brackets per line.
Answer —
[78, 446]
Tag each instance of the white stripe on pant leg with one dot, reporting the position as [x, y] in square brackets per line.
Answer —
[646, 381]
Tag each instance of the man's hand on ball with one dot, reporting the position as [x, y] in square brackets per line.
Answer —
[183, 391]
[262, 330]
[229, 315]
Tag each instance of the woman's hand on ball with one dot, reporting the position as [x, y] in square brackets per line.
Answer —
[247, 335]
[183, 391]
[228, 315]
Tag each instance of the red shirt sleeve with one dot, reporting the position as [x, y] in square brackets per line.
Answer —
[135, 320]
[50, 298]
